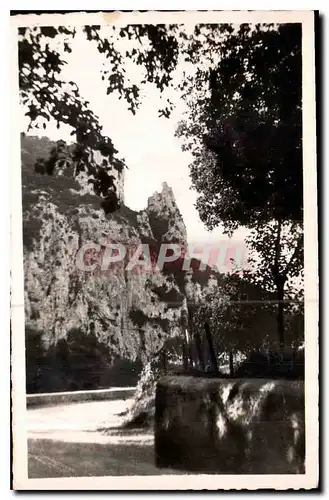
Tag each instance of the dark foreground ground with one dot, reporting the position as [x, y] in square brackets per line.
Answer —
[88, 438]
[49, 459]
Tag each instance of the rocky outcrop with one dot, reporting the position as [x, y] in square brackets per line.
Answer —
[165, 218]
[123, 309]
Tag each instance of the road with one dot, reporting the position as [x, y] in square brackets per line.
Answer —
[85, 439]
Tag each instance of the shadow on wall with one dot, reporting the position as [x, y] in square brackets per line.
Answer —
[230, 426]
[78, 362]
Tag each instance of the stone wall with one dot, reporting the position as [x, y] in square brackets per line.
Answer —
[230, 426]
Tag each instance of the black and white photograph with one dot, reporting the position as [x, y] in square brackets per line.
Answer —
[164, 301]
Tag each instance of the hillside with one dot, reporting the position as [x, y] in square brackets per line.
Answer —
[92, 329]
[120, 315]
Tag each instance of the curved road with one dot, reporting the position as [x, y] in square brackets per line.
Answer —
[85, 439]
[91, 421]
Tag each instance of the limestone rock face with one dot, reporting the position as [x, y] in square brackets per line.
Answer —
[119, 307]
[165, 218]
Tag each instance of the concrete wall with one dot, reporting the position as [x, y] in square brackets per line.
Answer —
[55, 398]
[230, 426]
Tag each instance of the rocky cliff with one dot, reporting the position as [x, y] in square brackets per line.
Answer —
[85, 316]
[129, 313]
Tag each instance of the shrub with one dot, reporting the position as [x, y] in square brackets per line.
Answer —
[272, 365]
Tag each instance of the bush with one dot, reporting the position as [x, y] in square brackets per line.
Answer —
[78, 362]
[270, 365]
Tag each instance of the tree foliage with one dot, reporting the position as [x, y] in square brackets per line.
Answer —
[242, 85]
[272, 256]
[77, 362]
[47, 96]
[245, 135]
[156, 50]
[242, 316]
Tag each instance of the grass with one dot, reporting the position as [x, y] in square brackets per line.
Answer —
[50, 459]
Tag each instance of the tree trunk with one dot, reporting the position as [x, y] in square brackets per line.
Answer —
[185, 357]
[280, 317]
[164, 361]
[197, 337]
[279, 279]
[212, 353]
[184, 326]
[198, 345]
[187, 352]
[189, 348]
[231, 363]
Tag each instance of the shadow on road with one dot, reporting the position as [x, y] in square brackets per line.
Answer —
[50, 459]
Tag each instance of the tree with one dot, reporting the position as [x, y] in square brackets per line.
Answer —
[279, 260]
[245, 135]
[243, 87]
[241, 316]
[156, 50]
[46, 96]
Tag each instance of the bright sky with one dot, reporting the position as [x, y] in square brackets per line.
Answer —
[144, 140]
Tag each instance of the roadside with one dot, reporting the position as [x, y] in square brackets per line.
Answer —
[86, 422]
[91, 431]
